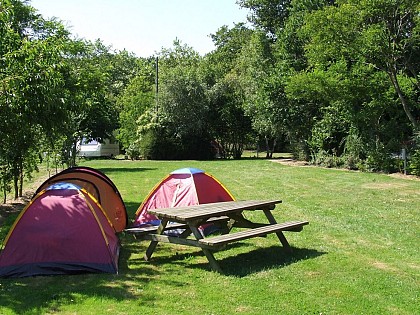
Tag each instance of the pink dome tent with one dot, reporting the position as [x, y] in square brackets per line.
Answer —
[182, 187]
[63, 230]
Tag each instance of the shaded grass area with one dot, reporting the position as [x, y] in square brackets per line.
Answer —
[358, 255]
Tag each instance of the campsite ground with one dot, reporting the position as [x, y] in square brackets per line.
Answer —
[359, 254]
[14, 206]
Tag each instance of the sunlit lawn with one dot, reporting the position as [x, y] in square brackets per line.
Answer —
[358, 255]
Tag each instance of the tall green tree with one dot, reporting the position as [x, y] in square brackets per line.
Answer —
[362, 59]
[381, 33]
[88, 93]
[182, 101]
[274, 57]
[269, 15]
[230, 125]
[137, 98]
[30, 84]
[262, 103]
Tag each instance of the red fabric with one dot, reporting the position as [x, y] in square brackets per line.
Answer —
[175, 191]
[59, 227]
[100, 186]
[179, 190]
[210, 190]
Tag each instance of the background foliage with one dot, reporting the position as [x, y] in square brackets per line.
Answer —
[336, 83]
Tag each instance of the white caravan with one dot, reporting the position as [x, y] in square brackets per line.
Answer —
[93, 148]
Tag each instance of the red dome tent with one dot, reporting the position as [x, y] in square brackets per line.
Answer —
[99, 186]
[183, 187]
[63, 230]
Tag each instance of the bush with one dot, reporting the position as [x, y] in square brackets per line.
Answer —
[322, 158]
[196, 147]
[352, 162]
[156, 144]
[414, 164]
[134, 151]
[380, 161]
[414, 161]
[300, 150]
[354, 151]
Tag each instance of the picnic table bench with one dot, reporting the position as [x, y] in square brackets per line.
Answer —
[229, 214]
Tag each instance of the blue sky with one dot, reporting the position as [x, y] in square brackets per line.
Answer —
[145, 26]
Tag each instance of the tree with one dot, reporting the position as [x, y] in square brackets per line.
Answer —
[231, 127]
[177, 127]
[256, 65]
[361, 62]
[269, 15]
[383, 33]
[88, 94]
[183, 103]
[52, 87]
[229, 124]
[137, 98]
[274, 54]
[30, 85]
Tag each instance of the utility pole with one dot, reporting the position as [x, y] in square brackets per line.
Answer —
[157, 82]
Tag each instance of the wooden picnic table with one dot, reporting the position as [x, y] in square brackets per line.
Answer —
[229, 212]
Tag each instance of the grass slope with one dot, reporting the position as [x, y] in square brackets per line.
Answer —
[358, 255]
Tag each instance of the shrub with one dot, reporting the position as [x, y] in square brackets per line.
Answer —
[133, 151]
[354, 151]
[414, 164]
[381, 161]
[352, 162]
[323, 158]
[157, 144]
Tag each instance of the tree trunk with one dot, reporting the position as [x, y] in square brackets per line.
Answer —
[270, 150]
[72, 157]
[393, 76]
[16, 185]
[267, 148]
[4, 194]
[21, 182]
[274, 147]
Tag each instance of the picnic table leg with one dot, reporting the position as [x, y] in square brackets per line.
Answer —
[153, 244]
[279, 234]
[210, 257]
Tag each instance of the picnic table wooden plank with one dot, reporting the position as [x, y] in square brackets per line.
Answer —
[153, 228]
[162, 238]
[186, 214]
[246, 234]
[194, 216]
[170, 226]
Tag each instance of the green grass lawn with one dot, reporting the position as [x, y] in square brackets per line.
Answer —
[359, 254]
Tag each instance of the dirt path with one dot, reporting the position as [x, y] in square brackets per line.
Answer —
[291, 162]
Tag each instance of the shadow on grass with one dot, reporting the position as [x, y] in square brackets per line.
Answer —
[265, 258]
[131, 208]
[110, 170]
[51, 294]
[242, 264]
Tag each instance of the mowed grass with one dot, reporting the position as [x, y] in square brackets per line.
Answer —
[358, 255]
